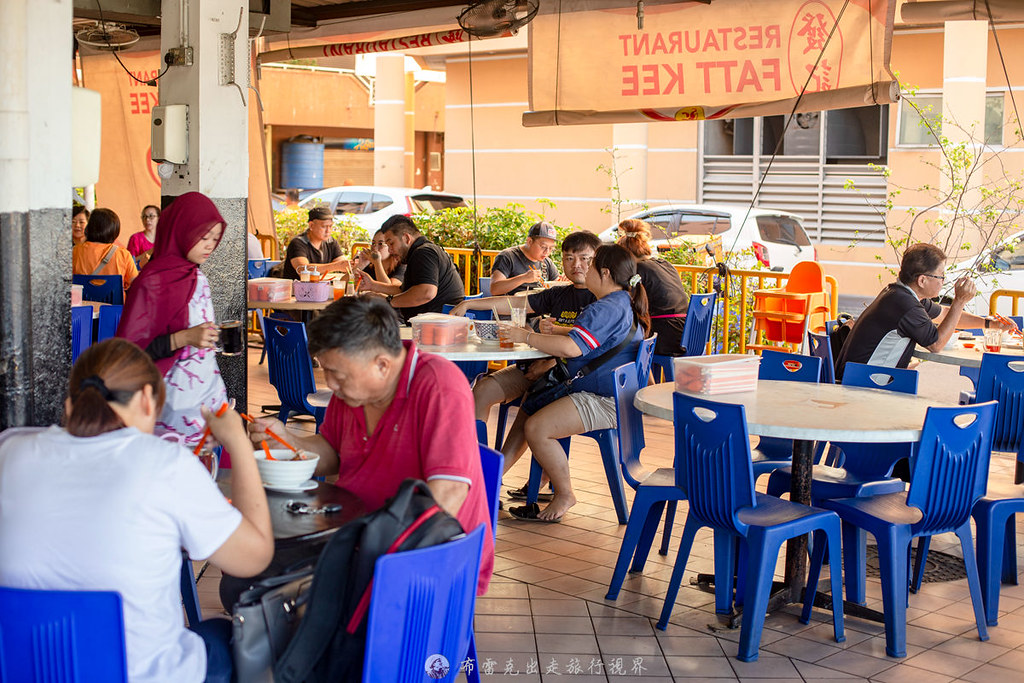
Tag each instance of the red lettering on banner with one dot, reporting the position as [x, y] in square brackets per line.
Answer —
[659, 44]
[675, 76]
[650, 79]
[675, 42]
[748, 76]
[630, 79]
[755, 37]
[719, 39]
[711, 42]
[740, 41]
[133, 99]
[774, 74]
[772, 36]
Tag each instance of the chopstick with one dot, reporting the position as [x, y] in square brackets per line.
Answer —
[266, 449]
[206, 432]
[271, 434]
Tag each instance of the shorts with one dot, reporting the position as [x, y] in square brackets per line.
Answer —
[596, 412]
[512, 381]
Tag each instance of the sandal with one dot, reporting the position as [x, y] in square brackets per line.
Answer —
[529, 512]
[520, 494]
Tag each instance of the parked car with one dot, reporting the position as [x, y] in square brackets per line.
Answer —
[777, 238]
[999, 267]
[371, 205]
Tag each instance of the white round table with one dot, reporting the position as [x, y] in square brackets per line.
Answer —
[290, 305]
[808, 412]
[476, 350]
[956, 354]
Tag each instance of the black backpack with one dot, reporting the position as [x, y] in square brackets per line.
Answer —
[330, 641]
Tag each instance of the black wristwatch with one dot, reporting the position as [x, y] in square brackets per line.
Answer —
[389, 297]
[987, 321]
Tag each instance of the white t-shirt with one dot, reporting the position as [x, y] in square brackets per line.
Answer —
[112, 512]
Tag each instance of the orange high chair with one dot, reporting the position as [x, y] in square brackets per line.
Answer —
[782, 317]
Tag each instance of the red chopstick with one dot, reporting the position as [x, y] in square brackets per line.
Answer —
[206, 432]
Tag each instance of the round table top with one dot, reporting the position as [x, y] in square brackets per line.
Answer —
[476, 350]
[291, 528]
[810, 411]
[290, 305]
[957, 354]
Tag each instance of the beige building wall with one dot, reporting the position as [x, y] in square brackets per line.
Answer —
[522, 165]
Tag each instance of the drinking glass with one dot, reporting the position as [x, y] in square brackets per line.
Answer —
[231, 338]
[517, 306]
[993, 340]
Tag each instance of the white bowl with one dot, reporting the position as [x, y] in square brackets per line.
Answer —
[284, 471]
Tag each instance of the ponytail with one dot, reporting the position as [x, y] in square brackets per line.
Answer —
[621, 265]
[112, 371]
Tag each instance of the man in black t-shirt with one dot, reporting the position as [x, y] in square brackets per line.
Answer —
[431, 280]
[315, 247]
[561, 305]
[904, 315]
[527, 266]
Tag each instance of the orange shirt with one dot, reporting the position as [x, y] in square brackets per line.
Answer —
[87, 255]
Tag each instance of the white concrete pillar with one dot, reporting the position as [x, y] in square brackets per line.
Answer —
[35, 209]
[629, 144]
[964, 68]
[218, 148]
[389, 121]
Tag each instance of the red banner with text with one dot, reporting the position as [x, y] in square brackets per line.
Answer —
[693, 61]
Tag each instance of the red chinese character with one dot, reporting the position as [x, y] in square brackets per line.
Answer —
[813, 31]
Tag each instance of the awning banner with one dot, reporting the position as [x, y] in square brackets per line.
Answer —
[726, 59]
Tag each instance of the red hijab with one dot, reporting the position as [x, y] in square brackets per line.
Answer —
[157, 302]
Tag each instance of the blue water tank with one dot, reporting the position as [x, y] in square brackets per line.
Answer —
[302, 165]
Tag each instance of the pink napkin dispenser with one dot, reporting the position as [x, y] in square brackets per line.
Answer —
[76, 295]
[316, 292]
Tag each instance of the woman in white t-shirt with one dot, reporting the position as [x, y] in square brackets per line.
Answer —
[102, 504]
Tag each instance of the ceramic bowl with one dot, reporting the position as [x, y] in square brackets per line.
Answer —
[284, 470]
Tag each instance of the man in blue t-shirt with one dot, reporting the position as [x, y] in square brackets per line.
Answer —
[526, 266]
[560, 307]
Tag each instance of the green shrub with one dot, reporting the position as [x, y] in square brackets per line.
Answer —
[294, 221]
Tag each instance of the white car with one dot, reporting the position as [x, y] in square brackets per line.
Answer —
[372, 205]
[777, 238]
[999, 267]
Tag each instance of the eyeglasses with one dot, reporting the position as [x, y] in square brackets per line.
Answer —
[299, 508]
[940, 278]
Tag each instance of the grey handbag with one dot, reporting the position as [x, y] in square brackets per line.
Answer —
[264, 620]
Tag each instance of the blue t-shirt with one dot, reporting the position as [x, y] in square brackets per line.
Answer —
[601, 326]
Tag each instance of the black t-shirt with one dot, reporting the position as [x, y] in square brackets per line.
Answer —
[429, 264]
[398, 273]
[889, 330]
[512, 261]
[665, 297]
[563, 303]
[300, 247]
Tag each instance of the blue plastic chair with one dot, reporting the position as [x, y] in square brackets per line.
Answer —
[109, 317]
[493, 464]
[712, 465]
[820, 347]
[772, 452]
[291, 369]
[61, 636]
[700, 316]
[607, 441]
[81, 330]
[484, 286]
[855, 470]
[654, 490]
[422, 606]
[949, 475]
[1002, 380]
[108, 289]
[257, 268]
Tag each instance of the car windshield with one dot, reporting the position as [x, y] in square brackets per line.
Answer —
[429, 203]
[698, 224]
[783, 230]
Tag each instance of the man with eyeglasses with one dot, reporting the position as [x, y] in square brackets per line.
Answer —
[904, 314]
[560, 305]
[526, 266]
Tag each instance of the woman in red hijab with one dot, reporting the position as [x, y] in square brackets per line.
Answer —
[169, 313]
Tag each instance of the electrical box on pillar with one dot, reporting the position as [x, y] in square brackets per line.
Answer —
[170, 133]
[85, 137]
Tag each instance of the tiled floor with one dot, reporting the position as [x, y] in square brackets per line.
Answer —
[545, 614]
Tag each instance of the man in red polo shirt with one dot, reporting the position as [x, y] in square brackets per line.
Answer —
[396, 413]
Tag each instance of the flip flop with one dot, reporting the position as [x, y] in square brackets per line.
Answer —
[520, 494]
[529, 512]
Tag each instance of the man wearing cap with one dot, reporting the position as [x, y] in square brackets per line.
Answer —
[519, 268]
[315, 247]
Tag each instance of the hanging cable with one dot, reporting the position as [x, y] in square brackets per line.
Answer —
[1002, 63]
[152, 81]
[789, 120]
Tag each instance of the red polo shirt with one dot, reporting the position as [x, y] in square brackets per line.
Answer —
[428, 432]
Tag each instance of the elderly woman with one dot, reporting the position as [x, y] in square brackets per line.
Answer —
[98, 255]
[666, 297]
[101, 504]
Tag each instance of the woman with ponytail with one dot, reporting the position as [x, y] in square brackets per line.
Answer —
[102, 504]
[619, 314]
[666, 297]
